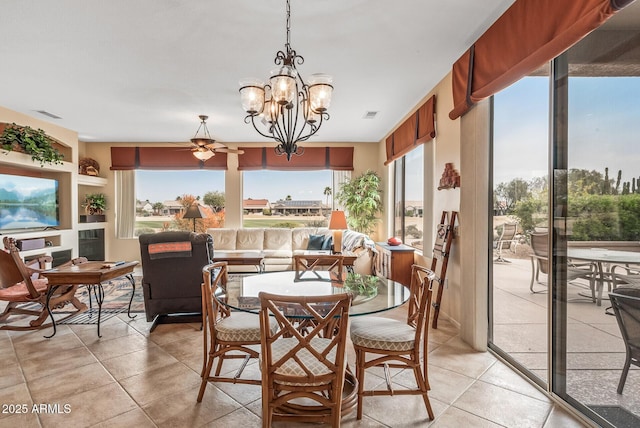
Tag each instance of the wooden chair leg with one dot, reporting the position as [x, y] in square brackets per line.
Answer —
[360, 361]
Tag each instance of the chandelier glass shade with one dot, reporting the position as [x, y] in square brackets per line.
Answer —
[287, 109]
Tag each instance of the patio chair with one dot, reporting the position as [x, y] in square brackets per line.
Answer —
[505, 239]
[303, 375]
[26, 292]
[396, 343]
[624, 274]
[625, 301]
[230, 334]
[540, 264]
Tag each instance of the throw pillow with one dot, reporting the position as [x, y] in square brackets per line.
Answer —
[315, 242]
[328, 243]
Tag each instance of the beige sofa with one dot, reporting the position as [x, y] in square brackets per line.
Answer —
[280, 245]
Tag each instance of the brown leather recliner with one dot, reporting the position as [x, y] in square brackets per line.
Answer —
[172, 265]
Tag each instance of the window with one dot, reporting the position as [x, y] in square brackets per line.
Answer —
[160, 204]
[409, 197]
[287, 198]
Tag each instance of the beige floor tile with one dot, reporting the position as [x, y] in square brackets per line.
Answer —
[91, 407]
[560, 418]
[467, 362]
[238, 418]
[184, 348]
[152, 385]
[447, 386]
[503, 406]
[134, 363]
[180, 409]
[454, 417]
[166, 333]
[21, 420]
[107, 348]
[521, 337]
[34, 345]
[42, 366]
[501, 375]
[18, 395]
[133, 418]
[10, 373]
[72, 381]
[112, 329]
[401, 411]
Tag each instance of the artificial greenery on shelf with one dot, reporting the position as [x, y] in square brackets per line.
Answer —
[95, 203]
[33, 142]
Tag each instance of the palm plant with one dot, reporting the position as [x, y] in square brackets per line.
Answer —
[362, 199]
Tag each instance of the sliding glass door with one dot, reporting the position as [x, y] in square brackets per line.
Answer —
[566, 169]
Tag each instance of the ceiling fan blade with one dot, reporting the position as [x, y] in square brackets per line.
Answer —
[215, 145]
[228, 150]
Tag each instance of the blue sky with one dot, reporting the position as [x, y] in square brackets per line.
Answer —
[604, 127]
[158, 186]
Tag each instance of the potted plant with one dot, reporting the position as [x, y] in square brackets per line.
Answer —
[31, 141]
[362, 198]
[94, 204]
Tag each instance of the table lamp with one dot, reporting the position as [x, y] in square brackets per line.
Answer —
[194, 211]
[337, 223]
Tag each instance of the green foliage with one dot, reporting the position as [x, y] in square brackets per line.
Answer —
[215, 200]
[287, 224]
[605, 217]
[317, 223]
[530, 213]
[362, 199]
[512, 192]
[33, 141]
[266, 211]
[413, 231]
[95, 203]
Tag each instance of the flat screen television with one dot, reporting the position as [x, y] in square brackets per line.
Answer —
[28, 202]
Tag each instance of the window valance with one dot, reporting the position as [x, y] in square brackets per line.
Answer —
[314, 158]
[128, 158]
[417, 129]
[529, 34]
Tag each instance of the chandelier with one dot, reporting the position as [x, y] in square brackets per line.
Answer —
[287, 109]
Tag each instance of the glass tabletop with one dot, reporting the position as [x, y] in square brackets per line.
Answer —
[371, 294]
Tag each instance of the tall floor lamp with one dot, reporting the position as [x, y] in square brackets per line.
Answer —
[337, 223]
[194, 211]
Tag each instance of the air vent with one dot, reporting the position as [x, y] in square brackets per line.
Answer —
[370, 115]
[46, 113]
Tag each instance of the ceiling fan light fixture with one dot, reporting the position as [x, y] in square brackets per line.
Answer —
[203, 155]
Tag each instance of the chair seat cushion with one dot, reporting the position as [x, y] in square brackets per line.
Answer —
[292, 368]
[239, 327]
[20, 292]
[382, 333]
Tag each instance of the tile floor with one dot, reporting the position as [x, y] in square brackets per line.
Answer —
[130, 377]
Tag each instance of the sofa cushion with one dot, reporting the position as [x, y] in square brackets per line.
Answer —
[277, 239]
[327, 244]
[315, 242]
[223, 239]
[250, 239]
[300, 237]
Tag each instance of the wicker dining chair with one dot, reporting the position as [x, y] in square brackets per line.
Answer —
[396, 343]
[226, 335]
[306, 266]
[307, 366]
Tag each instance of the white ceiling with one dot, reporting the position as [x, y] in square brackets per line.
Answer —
[143, 70]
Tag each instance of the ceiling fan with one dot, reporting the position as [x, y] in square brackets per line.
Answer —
[204, 147]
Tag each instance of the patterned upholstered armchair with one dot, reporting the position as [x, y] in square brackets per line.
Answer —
[172, 265]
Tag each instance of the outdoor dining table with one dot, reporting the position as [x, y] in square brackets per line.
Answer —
[371, 294]
[603, 258]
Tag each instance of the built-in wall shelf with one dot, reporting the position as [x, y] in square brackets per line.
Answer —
[90, 226]
[90, 180]
[24, 160]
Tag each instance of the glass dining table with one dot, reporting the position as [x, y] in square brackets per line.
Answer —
[371, 294]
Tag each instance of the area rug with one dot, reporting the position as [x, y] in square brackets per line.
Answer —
[117, 293]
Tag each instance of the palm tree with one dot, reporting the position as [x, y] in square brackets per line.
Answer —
[327, 193]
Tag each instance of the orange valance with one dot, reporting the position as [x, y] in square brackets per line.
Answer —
[314, 158]
[528, 35]
[128, 158]
[417, 129]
